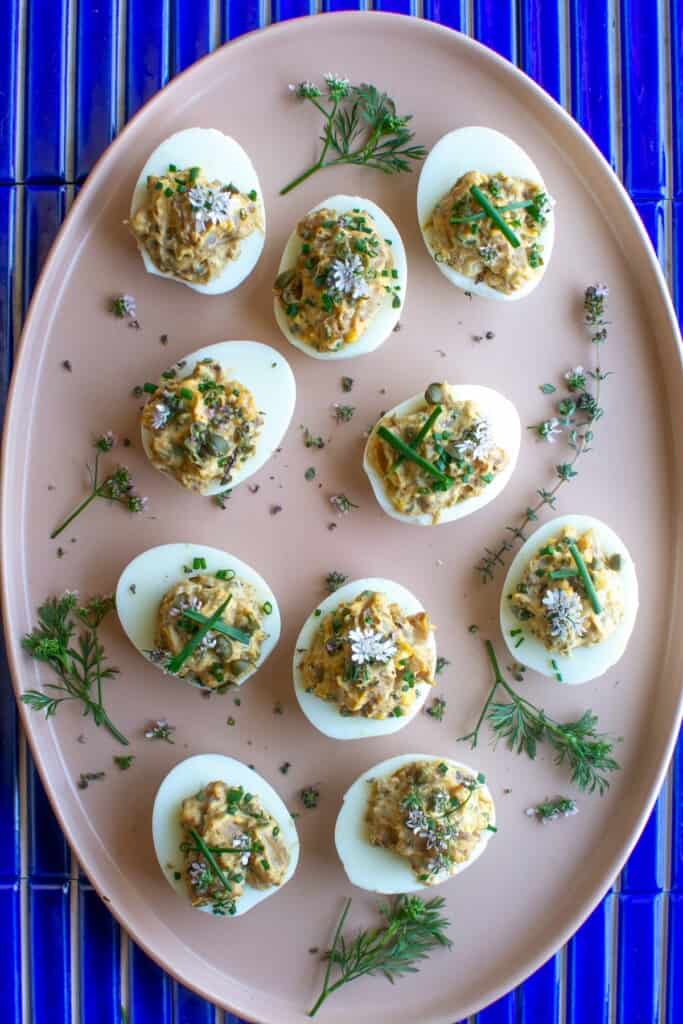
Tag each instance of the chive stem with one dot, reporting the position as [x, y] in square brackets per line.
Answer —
[405, 450]
[424, 431]
[219, 627]
[210, 860]
[176, 663]
[488, 208]
[520, 205]
[585, 576]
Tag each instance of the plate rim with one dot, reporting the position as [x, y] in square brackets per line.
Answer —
[662, 301]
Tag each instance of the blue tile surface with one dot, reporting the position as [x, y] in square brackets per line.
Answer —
[592, 82]
[46, 91]
[163, 37]
[96, 81]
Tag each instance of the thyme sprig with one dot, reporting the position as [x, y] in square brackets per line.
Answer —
[78, 660]
[412, 928]
[579, 411]
[361, 127]
[117, 486]
[523, 726]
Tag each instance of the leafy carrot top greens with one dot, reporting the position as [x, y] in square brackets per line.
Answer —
[361, 127]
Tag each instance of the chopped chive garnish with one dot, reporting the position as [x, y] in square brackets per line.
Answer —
[225, 574]
[218, 627]
[199, 563]
[172, 168]
[185, 393]
[585, 576]
[519, 642]
[149, 388]
[562, 574]
[252, 195]
[515, 632]
[409, 453]
[556, 669]
[488, 208]
[177, 662]
[424, 431]
[267, 608]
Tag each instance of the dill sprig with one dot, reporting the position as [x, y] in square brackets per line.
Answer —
[578, 413]
[411, 929]
[361, 127]
[587, 753]
[78, 661]
[117, 486]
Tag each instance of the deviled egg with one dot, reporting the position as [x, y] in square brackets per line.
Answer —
[443, 454]
[570, 599]
[364, 660]
[412, 822]
[485, 214]
[342, 279]
[198, 613]
[218, 414]
[223, 837]
[197, 212]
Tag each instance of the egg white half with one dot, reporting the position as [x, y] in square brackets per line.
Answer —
[372, 867]
[476, 148]
[585, 663]
[222, 159]
[323, 714]
[269, 377]
[386, 317]
[186, 779]
[507, 433]
[156, 570]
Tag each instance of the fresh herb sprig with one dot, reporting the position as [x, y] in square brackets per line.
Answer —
[553, 810]
[361, 127]
[117, 486]
[578, 412]
[78, 660]
[523, 726]
[412, 928]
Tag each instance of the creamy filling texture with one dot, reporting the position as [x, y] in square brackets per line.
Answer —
[244, 842]
[343, 274]
[369, 658]
[432, 813]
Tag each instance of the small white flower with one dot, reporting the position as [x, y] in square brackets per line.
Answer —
[209, 205]
[488, 253]
[477, 442]
[577, 371]
[242, 842]
[160, 416]
[549, 429]
[564, 612]
[369, 645]
[601, 291]
[337, 87]
[305, 90]
[346, 277]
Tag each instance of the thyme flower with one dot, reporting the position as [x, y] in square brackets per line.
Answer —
[549, 429]
[369, 645]
[488, 253]
[345, 277]
[564, 612]
[477, 441]
[105, 442]
[200, 876]
[576, 378]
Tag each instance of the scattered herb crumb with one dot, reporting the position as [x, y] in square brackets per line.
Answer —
[160, 730]
[60, 552]
[310, 473]
[553, 810]
[309, 796]
[221, 499]
[231, 721]
[334, 580]
[124, 307]
[347, 384]
[254, 488]
[123, 761]
[66, 365]
[441, 664]
[473, 628]
[163, 338]
[437, 709]
[285, 766]
[85, 778]
[343, 504]
[237, 701]
[275, 510]
[547, 389]
[343, 413]
[278, 708]
[133, 588]
[311, 440]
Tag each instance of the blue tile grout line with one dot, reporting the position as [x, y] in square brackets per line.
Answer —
[71, 73]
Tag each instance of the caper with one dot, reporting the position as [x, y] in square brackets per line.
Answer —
[615, 562]
[223, 647]
[239, 666]
[434, 394]
[283, 279]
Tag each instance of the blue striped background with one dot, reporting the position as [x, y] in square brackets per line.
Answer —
[70, 74]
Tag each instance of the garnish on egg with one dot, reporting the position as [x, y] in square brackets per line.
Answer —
[485, 214]
[197, 213]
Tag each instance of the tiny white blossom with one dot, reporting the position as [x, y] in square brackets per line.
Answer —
[488, 253]
[564, 611]
[242, 842]
[209, 205]
[549, 429]
[346, 277]
[369, 645]
[577, 371]
[161, 416]
[337, 87]
[478, 441]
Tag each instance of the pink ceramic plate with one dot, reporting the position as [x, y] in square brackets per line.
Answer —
[522, 900]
